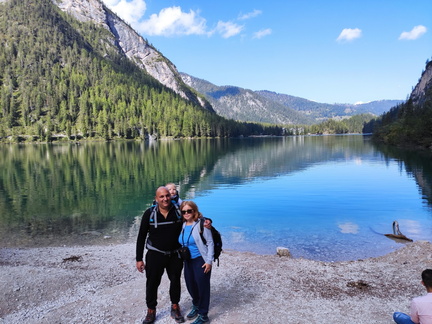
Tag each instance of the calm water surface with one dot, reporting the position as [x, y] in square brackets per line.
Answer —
[324, 197]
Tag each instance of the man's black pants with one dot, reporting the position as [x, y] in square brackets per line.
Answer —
[156, 263]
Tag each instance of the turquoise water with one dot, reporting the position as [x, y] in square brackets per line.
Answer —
[323, 197]
[329, 211]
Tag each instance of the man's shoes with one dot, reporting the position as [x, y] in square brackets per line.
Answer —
[176, 313]
[150, 317]
[201, 319]
[193, 313]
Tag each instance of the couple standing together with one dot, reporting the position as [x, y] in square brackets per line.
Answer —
[163, 231]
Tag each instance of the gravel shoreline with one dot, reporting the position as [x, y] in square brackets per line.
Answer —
[99, 284]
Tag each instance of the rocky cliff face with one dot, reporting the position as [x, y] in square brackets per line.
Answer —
[132, 45]
[418, 95]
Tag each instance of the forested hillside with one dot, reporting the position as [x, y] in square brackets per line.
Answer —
[410, 123]
[60, 77]
[355, 124]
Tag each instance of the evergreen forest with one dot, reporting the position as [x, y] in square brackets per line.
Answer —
[407, 124]
[65, 79]
[352, 125]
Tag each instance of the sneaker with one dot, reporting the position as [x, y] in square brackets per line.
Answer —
[193, 313]
[201, 319]
[150, 317]
[176, 313]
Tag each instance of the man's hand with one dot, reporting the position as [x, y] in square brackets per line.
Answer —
[208, 223]
[140, 266]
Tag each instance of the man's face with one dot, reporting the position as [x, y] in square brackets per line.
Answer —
[163, 198]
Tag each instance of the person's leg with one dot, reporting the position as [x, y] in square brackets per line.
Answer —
[402, 318]
[203, 283]
[154, 269]
[174, 269]
[189, 276]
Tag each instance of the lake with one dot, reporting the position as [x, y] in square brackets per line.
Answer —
[327, 198]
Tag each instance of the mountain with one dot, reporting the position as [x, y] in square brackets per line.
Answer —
[77, 71]
[422, 92]
[245, 105]
[271, 107]
[410, 123]
[230, 102]
[132, 45]
[321, 111]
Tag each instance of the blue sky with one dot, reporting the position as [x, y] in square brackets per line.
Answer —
[326, 51]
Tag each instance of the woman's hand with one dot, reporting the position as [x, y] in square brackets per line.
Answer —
[207, 267]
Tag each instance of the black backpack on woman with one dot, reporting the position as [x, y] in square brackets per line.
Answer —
[217, 239]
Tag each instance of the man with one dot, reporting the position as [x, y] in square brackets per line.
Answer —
[161, 226]
[421, 307]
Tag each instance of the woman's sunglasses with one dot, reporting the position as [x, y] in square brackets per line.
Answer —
[187, 211]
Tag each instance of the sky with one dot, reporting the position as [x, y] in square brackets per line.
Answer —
[329, 51]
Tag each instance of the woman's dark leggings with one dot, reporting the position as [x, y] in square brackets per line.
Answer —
[198, 284]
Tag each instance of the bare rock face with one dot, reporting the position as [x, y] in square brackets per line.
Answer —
[425, 82]
[83, 10]
[135, 47]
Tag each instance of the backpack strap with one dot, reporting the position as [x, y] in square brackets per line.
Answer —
[177, 209]
[153, 215]
[201, 231]
[151, 247]
[182, 234]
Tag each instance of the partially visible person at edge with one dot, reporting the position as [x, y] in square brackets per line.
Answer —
[197, 270]
[421, 307]
[159, 234]
[172, 188]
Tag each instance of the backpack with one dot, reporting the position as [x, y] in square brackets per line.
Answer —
[153, 215]
[153, 222]
[217, 240]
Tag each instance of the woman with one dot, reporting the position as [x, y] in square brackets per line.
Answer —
[197, 270]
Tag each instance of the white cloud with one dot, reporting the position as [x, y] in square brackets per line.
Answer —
[250, 15]
[173, 21]
[349, 34]
[228, 29]
[415, 33]
[262, 33]
[131, 11]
